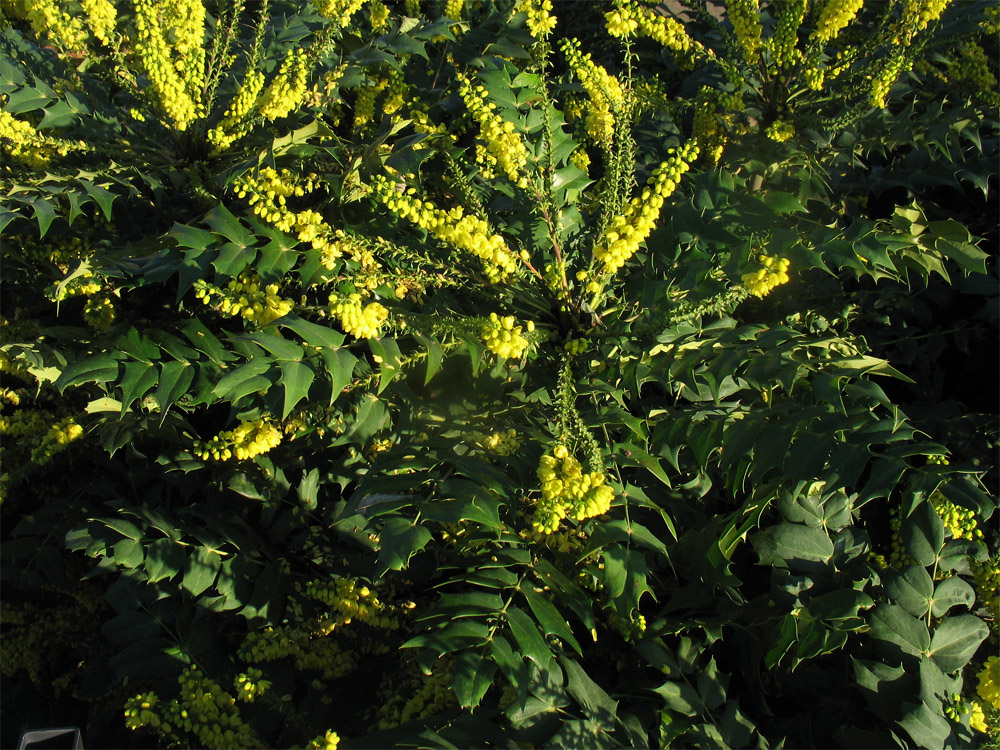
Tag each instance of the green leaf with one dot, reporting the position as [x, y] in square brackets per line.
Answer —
[232, 259]
[200, 570]
[680, 697]
[890, 622]
[400, 539]
[588, 694]
[911, 589]
[386, 351]
[923, 534]
[779, 545]
[174, 380]
[100, 368]
[625, 575]
[969, 257]
[128, 553]
[783, 203]
[139, 377]
[124, 527]
[926, 727]
[952, 592]
[956, 551]
[221, 221]
[296, 377]
[340, 364]
[530, 641]
[320, 337]
[245, 379]
[956, 640]
[568, 593]
[471, 678]
[548, 617]
[164, 560]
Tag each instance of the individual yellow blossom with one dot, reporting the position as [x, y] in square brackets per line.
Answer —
[630, 229]
[780, 131]
[360, 321]
[503, 338]
[775, 272]
[250, 684]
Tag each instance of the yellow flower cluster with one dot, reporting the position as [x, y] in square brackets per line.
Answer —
[173, 55]
[780, 131]
[395, 91]
[25, 145]
[629, 230]
[419, 697]
[246, 297]
[499, 443]
[884, 79]
[246, 441]
[56, 440]
[707, 130]
[364, 104]
[454, 227]
[961, 522]
[989, 682]
[203, 709]
[453, 9]
[775, 272]
[568, 491]
[47, 18]
[744, 15]
[235, 121]
[836, 14]
[606, 94]
[360, 321]
[378, 15]
[99, 312]
[783, 43]
[540, 20]
[250, 684]
[287, 90]
[986, 576]
[564, 542]
[339, 11]
[328, 741]
[268, 193]
[500, 137]
[346, 600]
[918, 14]
[503, 338]
[101, 18]
[308, 650]
[977, 718]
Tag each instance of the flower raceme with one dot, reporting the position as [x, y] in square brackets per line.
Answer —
[360, 321]
[775, 272]
[248, 440]
[629, 230]
[606, 94]
[456, 228]
[501, 138]
[539, 16]
[568, 492]
[503, 338]
[247, 297]
[836, 14]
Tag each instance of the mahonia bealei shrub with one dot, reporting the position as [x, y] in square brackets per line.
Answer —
[356, 318]
[774, 273]
[251, 438]
[503, 337]
[245, 297]
[567, 491]
[629, 230]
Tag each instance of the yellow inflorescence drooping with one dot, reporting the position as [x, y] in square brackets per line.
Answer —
[358, 320]
[328, 741]
[498, 443]
[245, 297]
[339, 11]
[99, 312]
[454, 227]
[244, 442]
[235, 123]
[203, 709]
[101, 18]
[918, 14]
[25, 145]
[418, 696]
[378, 15]
[568, 492]
[707, 130]
[630, 19]
[347, 599]
[500, 137]
[59, 436]
[607, 96]
[836, 14]
[780, 131]
[540, 20]
[775, 272]
[629, 230]
[989, 683]
[986, 576]
[503, 338]
[744, 15]
[170, 44]
[287, 90]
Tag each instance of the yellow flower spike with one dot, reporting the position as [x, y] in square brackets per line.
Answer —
[836, 14]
